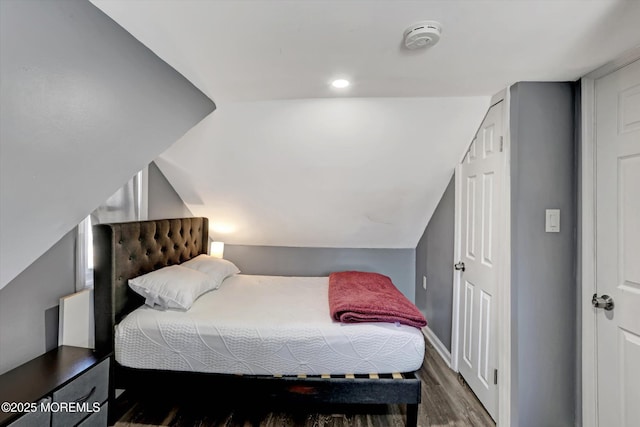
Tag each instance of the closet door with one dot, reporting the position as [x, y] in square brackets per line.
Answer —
[482, 176]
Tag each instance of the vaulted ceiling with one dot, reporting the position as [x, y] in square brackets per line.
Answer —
[80, 114]
[288, 160]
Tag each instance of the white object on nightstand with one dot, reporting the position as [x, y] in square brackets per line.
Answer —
[552, 221]
[76, 319]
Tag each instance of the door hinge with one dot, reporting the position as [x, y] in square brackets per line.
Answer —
[495, 376]
[501, 144]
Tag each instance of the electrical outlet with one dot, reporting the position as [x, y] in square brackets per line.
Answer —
[424, 282]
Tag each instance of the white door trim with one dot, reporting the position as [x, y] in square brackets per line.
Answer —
[504, 273]
[587, 258]
[586, 238]
[504, 277]
[457, 252]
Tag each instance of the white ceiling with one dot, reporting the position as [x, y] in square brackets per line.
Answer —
[321, 172]
[287, 160]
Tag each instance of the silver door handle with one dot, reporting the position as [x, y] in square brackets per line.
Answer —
[605, 301]
[459, 266]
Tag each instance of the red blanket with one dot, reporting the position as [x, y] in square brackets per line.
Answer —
[356, 296]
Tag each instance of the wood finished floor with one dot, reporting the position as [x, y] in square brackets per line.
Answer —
[446, 401]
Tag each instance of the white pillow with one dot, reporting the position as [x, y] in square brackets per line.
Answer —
[217, 269]
[172, 287]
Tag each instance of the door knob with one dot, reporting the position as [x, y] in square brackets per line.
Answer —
[459, 266]
[605, 301]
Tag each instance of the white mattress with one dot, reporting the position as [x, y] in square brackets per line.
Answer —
[264, 325]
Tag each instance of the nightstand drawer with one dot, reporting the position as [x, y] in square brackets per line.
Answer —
[81, 393]
[38, 418]
[97, 419]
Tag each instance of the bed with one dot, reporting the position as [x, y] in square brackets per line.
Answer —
[266, 353]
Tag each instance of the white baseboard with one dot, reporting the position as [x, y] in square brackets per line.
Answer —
[437, 344]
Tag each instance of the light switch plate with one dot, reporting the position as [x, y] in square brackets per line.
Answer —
[424, 282]
[552, 221]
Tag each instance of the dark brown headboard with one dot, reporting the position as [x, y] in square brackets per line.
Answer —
[126, 250]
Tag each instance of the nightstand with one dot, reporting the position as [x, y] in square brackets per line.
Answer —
[67, 386]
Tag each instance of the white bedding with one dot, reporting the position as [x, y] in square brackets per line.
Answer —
[264, 325]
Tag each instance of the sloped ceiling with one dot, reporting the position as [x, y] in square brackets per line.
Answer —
[287, 160]
[84, 107]
[353, 172]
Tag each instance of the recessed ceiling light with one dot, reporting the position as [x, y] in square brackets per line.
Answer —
[340, 83]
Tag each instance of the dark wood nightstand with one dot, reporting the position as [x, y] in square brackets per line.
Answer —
[67, 386]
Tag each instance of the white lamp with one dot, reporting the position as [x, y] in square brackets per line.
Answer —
[217, 249]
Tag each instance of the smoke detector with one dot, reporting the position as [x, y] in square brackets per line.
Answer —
[422, 34]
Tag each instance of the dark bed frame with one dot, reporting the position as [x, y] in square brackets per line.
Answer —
[126, 250]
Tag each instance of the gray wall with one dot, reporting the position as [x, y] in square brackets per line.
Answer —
[29, 305]
[434, 259]
[543, 175]
[164, 202]
[84, 106]
[577, 109]
[398, 264]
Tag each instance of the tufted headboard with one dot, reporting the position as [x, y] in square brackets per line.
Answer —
[126, 250]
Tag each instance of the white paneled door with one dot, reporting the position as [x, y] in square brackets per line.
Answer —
[617, 301]
[482, 176]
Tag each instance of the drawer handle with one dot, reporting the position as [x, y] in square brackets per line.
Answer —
[87, 396]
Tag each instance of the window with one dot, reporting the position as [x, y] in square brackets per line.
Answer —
[129, 203]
